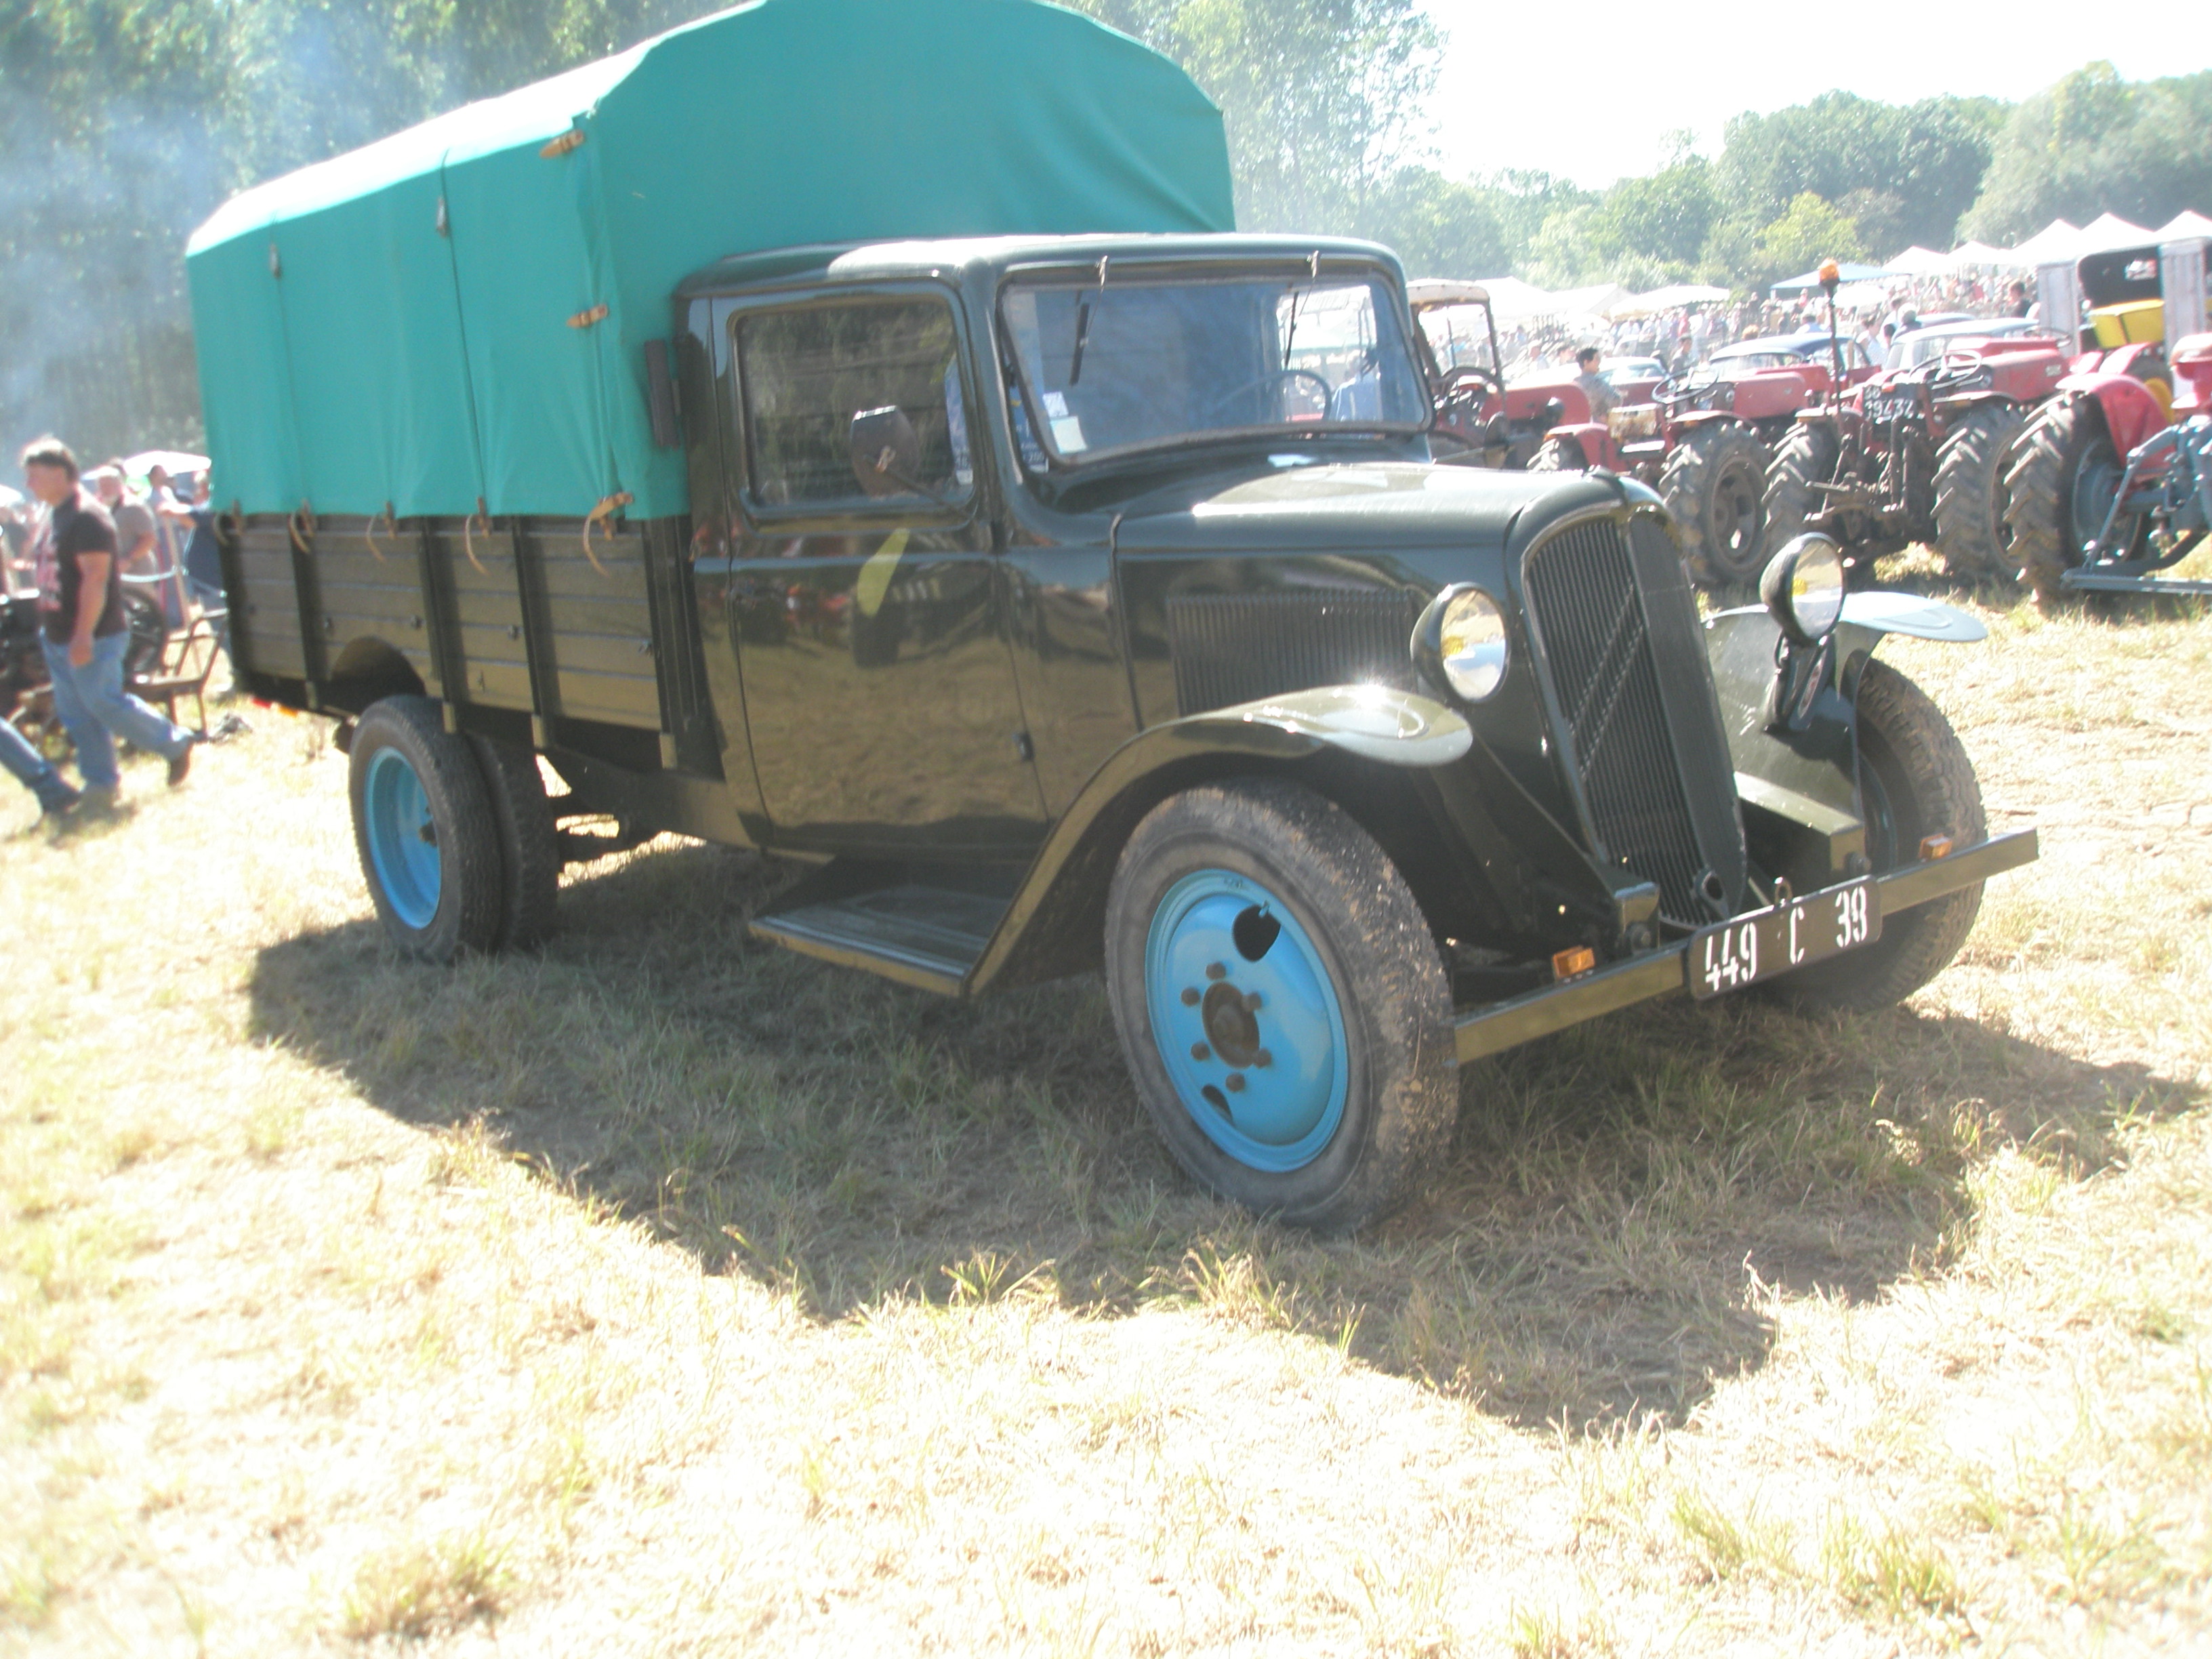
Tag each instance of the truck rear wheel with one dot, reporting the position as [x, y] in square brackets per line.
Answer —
[422, 822]
[1915, 781]
[1805, 457]
[529, 845]
[1713, 487]
[1281, 1004]
[2061, 484]
[1971, 533]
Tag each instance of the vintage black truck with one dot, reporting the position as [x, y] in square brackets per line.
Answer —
[1084, 602]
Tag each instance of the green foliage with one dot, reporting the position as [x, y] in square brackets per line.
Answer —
[2095, 144]
[1809, 232]
[1926, 158]
[1320, 97]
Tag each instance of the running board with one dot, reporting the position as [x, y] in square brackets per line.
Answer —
[2096, 581]
[919, 935]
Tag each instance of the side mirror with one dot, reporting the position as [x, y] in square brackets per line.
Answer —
[887, 452]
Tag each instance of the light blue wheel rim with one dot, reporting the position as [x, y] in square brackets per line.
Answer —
[1286, 1055]
[403, 844]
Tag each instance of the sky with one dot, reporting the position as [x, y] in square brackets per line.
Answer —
[1589, 89]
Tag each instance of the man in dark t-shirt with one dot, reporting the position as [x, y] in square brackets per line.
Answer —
[81, 606]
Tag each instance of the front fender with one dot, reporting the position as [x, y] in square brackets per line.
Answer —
[1799, 786]
[1056, 922]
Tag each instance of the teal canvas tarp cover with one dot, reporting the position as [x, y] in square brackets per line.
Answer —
[416, 325]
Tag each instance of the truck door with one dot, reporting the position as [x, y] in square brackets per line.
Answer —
[866, 600]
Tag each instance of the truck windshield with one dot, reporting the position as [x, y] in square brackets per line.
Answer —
[1459, 335]
[1146, 363]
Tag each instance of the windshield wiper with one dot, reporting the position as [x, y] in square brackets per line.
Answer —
[1082, 339]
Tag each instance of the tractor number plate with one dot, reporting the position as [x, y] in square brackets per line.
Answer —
[1765, 943]
[1892, 406]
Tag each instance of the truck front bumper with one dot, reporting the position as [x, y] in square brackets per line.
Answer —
[1500, 1025]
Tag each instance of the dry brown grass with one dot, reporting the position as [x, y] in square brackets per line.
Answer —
[667, 1293]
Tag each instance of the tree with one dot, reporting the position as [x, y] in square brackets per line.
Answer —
[1322, 99]
[1796, 241]
[2095, 144]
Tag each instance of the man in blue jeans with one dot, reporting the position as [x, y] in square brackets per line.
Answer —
[81, 604]
[39, 777]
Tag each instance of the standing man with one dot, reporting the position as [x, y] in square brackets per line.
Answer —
[1603, 399]
[80, 602]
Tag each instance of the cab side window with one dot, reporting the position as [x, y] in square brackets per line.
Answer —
[806, 373]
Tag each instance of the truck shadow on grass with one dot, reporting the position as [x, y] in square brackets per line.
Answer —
[1602, 1244]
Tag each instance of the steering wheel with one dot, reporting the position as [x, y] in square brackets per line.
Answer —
[1678, 390]
[1327, 392]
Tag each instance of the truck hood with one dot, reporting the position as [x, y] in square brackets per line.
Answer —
[1361, 507]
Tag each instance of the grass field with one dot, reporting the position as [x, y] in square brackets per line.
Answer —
[668, 1293]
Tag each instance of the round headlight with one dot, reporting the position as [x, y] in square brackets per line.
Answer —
[1804, 587]
[1471, 644]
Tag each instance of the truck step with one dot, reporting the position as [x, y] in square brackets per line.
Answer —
[922, 935]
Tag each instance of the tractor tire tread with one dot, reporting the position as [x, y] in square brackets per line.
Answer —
[1969, 490]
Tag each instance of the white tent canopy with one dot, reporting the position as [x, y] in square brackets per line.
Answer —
[1968, 254]
[2059, 239]
[1663, 299]
[1512, 300]
[1917, 261]
[2186, 223]
[1595, 301]
[2108, 231]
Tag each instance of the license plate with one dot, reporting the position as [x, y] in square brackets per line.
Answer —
[1896, 407]
[1765, 943]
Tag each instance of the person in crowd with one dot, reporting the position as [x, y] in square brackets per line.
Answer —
[202, 560]
[36, 773]
[80, 606]
[133, 520]
[2017, 299]
[1603, 399]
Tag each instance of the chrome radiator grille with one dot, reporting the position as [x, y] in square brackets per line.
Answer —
[1594, 635]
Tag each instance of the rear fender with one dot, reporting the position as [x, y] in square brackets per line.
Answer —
[1056, 924]
[2131, 411]
[1799, 785]
[1590, 435]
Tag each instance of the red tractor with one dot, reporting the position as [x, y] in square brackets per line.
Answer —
[1701, 440]
[2113, 481]
[1916, 454]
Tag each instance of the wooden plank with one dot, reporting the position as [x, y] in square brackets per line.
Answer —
[603, 653]
[620, 701]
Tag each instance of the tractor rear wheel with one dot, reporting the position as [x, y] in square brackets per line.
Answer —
[2061, 484]
[1806, 457]
[1971, 532]
[1559, 455]
[1713, 487]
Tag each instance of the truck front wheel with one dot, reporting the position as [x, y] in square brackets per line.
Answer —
[1915, 781]
[424, 827]
[1281, 1004]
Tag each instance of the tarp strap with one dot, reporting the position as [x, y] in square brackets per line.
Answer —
[302, 527]
[597, 314]
[468, 535]
[606, 509]
[385, 517]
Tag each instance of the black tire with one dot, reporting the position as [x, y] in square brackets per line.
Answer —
[1713, 487]
[1359, 922]
[149, 633]
[1971, 534]
[1559, 455]
[1805, 457]
[2048, 537]
[1915, 781]
[528, 844]
[468, 901]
